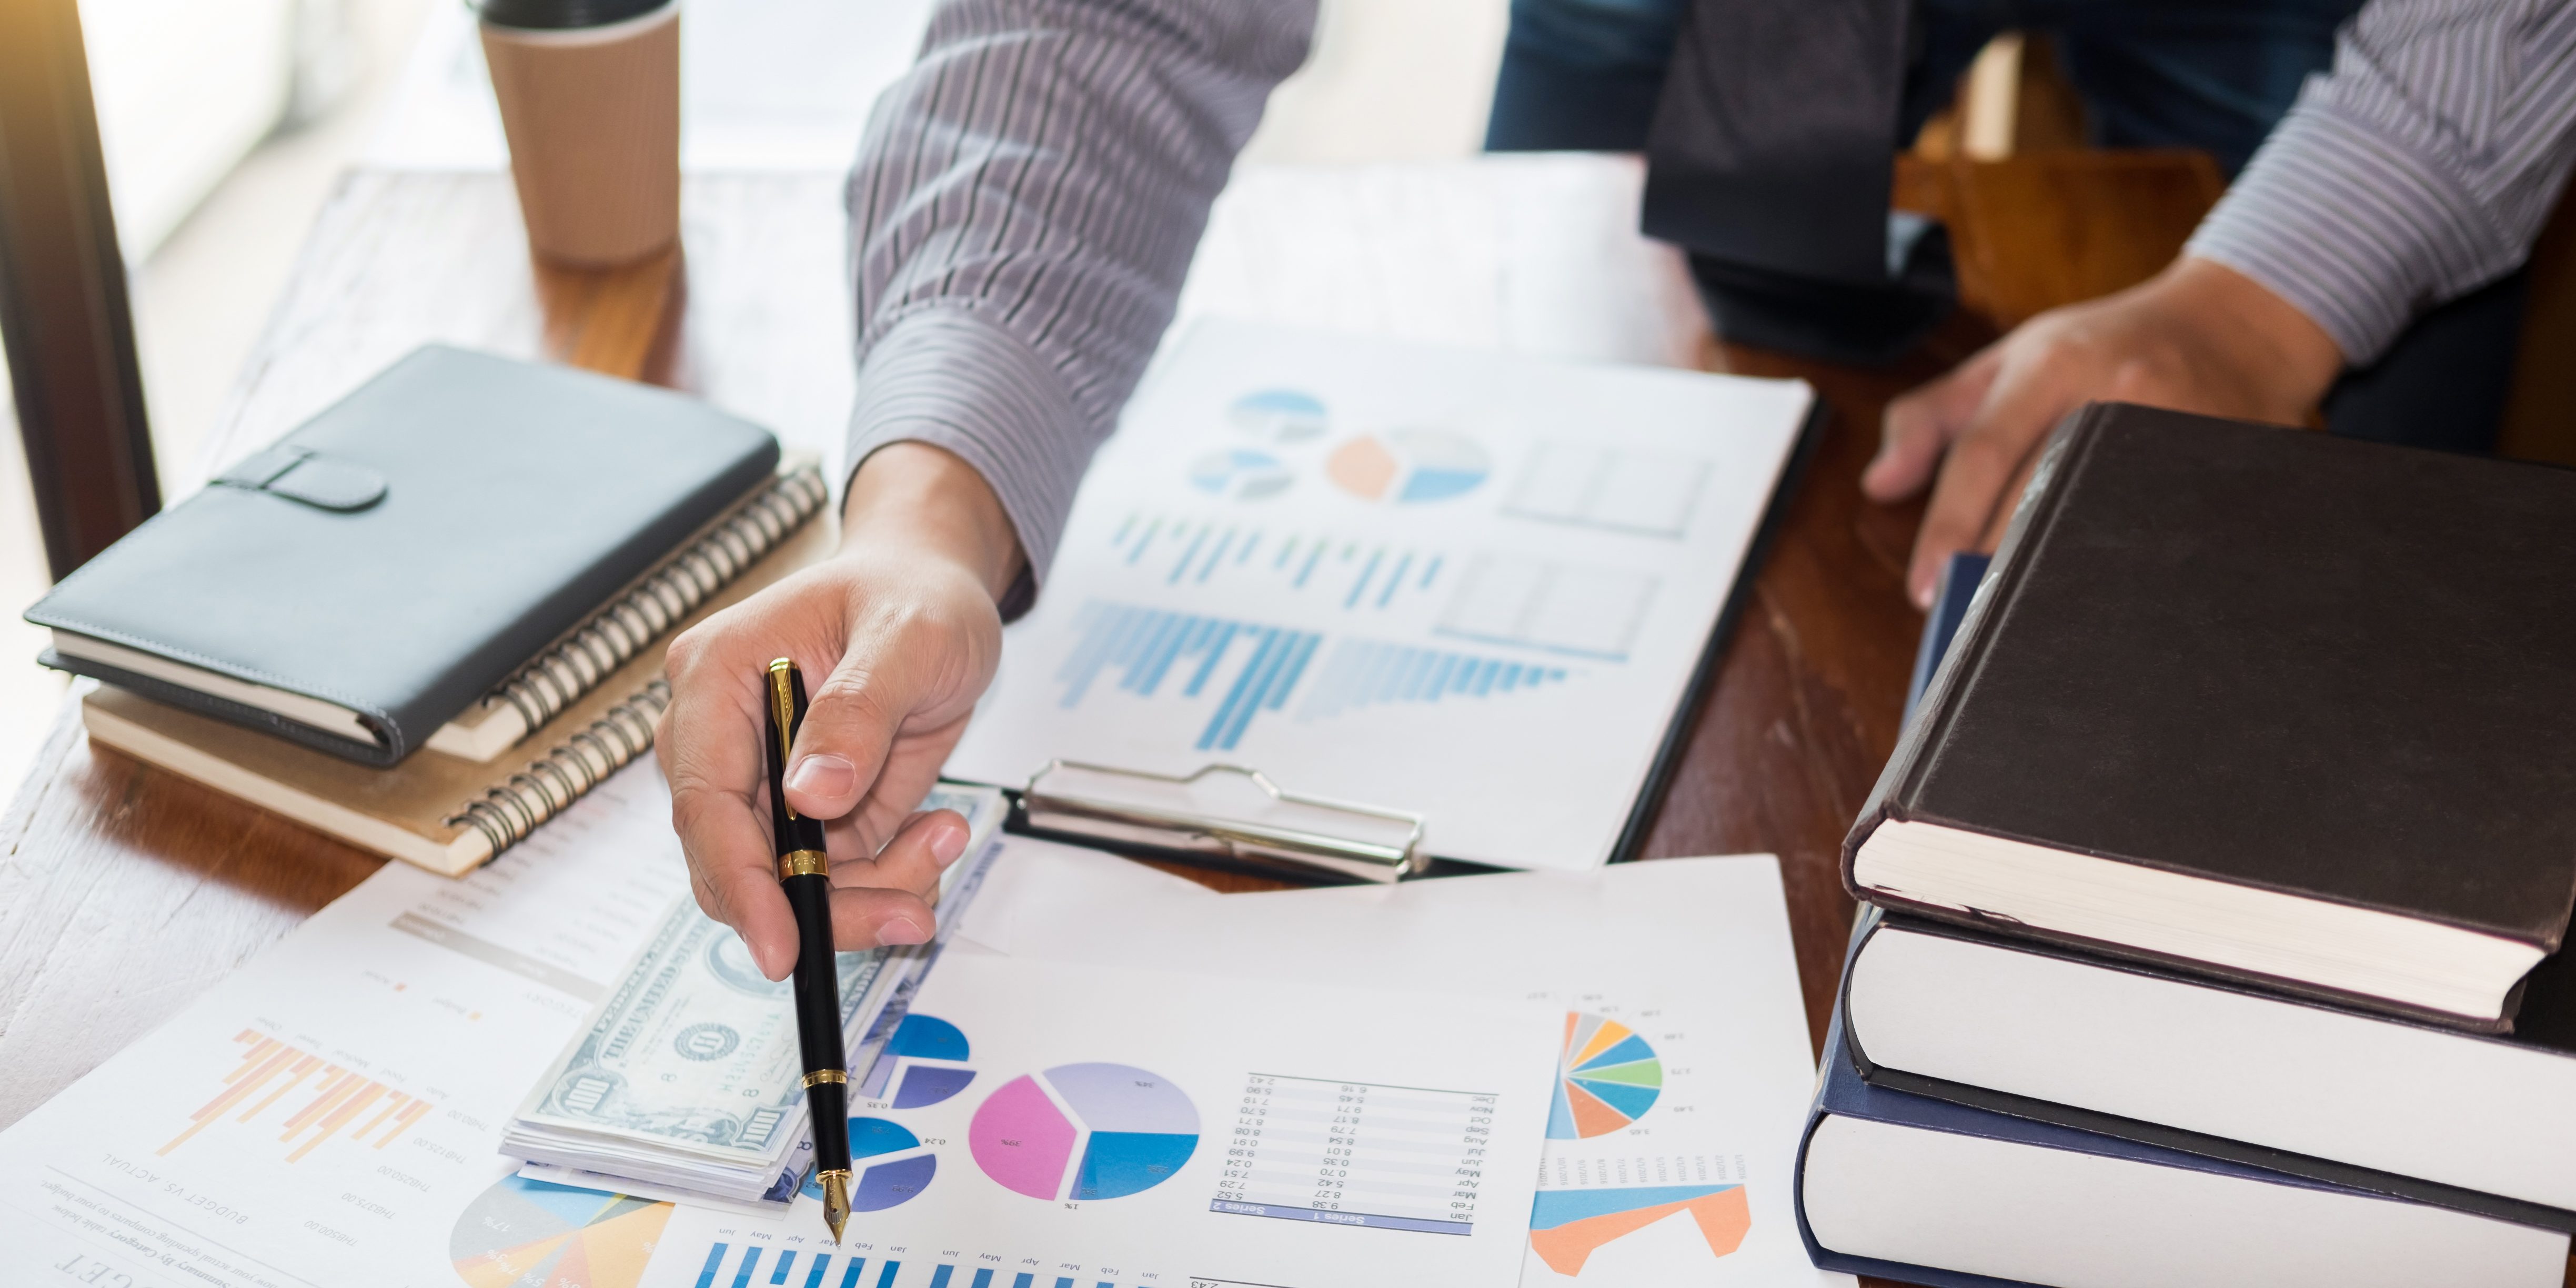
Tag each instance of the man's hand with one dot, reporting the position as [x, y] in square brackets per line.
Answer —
[2199, 337]
[902, 626]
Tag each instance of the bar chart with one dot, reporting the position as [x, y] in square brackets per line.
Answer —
[1147, 646]
[1315, 567]
[335, 1104]
[753, 1265]
[1367, 673]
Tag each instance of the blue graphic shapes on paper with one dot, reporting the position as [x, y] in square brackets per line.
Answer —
[1240, 475]
[1146, 645]
[1365, 673]
[1117, 1163]
[925, 1084]
[887, 1184]
[928, 1037]
[870, 1137]
[1629, 1050]
[1279, 415]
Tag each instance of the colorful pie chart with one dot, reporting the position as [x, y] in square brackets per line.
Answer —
[1408, 466]
[892, 1166]
[1279, 415]
[531, 1232]
[1606, 1078]
[1128, 1131]
[1240, 475]
[929, 1056]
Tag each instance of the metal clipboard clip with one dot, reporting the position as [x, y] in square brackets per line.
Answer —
[1226, 811]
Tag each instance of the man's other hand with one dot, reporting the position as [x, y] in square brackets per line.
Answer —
[897, 634]
[2198, 337]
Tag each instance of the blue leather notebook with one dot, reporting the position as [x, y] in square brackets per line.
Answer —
[362, 580]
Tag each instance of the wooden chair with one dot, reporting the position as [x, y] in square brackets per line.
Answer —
[2037, 219]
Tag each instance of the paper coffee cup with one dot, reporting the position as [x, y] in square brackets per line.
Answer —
[590, 99]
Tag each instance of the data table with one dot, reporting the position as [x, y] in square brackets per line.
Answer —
[1349, 1153]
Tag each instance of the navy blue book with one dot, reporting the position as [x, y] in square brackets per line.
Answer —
[1921, 1190]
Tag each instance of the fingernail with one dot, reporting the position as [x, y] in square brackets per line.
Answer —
[1922, 596]
[826, 776]
[946, 844]
[900, 931]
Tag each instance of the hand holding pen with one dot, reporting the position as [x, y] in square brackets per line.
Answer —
[804, 875]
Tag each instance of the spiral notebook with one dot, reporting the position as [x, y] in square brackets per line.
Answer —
[591, 697]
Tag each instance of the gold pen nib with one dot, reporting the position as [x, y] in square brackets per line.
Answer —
[836, 1201]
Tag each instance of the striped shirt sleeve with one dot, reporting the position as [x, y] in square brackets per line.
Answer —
[1022, 212]
[2416, 170]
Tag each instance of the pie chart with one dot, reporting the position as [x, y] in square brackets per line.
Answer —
[1129, 1131]
[522, 1232]
[927, 1038]
[1240, 475]
[1279, 415]
[1407, 466]
[1606, 1078]
[901, 1169]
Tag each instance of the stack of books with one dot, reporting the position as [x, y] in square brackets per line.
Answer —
[431, 617]
[2215, 896]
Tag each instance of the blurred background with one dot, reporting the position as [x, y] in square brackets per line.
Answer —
[226, 127]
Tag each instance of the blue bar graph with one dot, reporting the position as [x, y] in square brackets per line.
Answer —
[715, 1258]
[1365, 673]
[786, 1262]
[1146, 646]
[1023, 1280]
[814, 1277]
[1358, 572]
[983, 1278]
[886, 1280]
[939, 1277]
[850, 1278]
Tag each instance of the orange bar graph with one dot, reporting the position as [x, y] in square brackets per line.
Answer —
[339, 1097]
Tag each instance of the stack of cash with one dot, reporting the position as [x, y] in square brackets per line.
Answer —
[686, 1081]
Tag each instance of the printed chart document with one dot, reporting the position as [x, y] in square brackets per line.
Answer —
[1682, 1069]
[1471, 585]
[1046, 1122]
[328, 1114]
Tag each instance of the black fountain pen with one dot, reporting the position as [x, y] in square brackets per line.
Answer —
[802, 874]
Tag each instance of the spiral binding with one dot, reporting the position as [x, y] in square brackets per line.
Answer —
[612, 637]
[506, 813]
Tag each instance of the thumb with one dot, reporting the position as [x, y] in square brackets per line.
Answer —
[850, 723]
[1922, 424]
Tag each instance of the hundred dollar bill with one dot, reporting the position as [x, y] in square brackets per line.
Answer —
[690, 1069]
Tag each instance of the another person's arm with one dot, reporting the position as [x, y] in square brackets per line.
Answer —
[1023, 209]
[2420, 169]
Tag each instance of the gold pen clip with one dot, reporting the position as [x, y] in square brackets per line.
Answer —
[782, 717]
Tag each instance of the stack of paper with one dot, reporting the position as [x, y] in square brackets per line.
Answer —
[687, 1078]
[1682, 1072]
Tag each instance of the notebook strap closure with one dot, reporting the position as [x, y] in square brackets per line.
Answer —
[299, 474]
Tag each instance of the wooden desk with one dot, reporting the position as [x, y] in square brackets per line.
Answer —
[124, 891]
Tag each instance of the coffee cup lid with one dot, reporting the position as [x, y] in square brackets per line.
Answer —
[562, 15]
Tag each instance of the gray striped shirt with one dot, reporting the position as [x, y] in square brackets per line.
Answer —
[1028, 198]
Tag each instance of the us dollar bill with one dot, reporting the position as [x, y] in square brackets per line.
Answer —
[696, 1051]
[694, 1056]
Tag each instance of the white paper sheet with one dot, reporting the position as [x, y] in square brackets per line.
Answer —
[328, 1115]
[1465, 584]
[1693, 955]
[1147, 1129]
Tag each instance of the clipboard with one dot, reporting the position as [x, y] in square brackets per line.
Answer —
[1238, 816]
[1229, 813]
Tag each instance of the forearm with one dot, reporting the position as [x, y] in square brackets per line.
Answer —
[1022, 213]
[914, 496]
[2421, 168]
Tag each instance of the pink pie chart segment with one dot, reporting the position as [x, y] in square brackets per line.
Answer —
[1020, 1140]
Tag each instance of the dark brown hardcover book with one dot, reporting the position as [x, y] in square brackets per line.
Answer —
[2261, 704]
